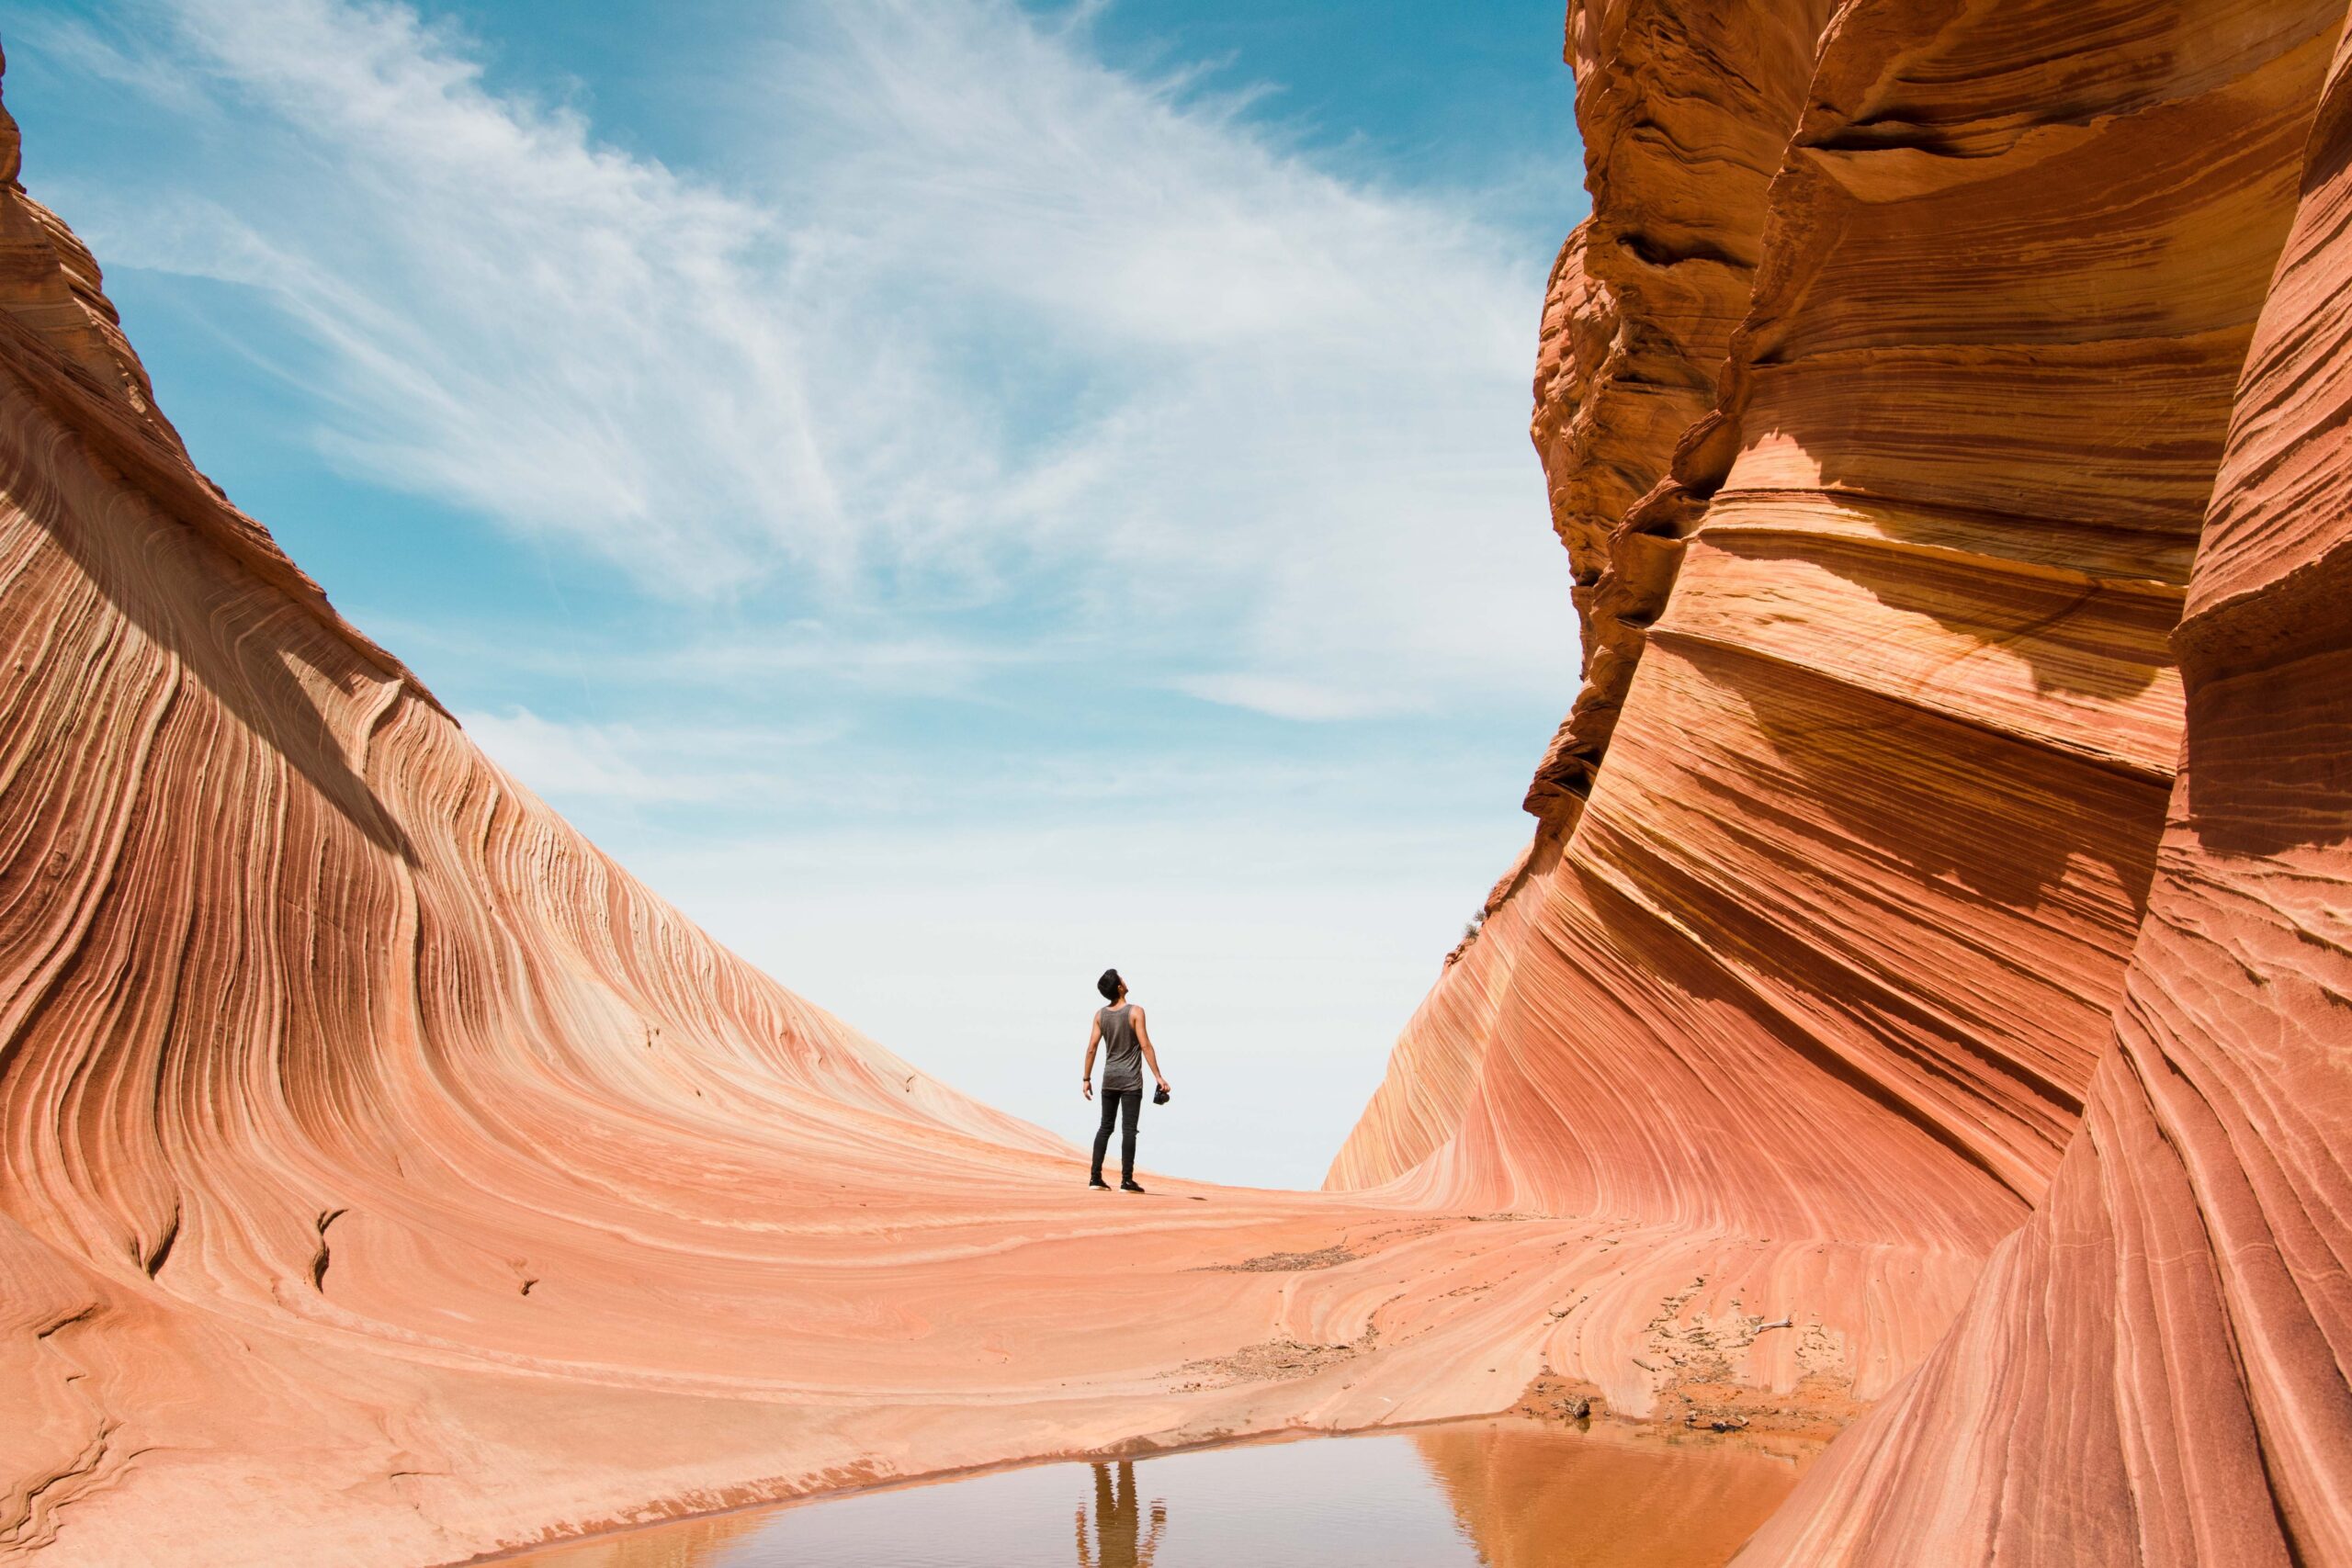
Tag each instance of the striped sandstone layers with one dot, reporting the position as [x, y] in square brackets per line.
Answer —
[2154, 1369]
[1839, 911]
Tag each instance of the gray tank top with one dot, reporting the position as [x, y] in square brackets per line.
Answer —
[1122, 1052]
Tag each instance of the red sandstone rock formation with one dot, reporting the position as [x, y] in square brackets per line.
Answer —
[389, 1177]
[1838, 945]
[1610, 1499]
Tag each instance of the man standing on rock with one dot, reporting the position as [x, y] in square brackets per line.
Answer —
[1120, 1028]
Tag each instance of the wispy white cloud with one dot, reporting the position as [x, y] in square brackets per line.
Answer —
[996, 323]
[513, 317]
[1282, 698]
[852, 662]
[578, 762]
[759, 774]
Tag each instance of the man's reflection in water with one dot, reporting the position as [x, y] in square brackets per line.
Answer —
[1120, 1539]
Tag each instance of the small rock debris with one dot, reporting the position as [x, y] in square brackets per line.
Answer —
[1285, 1262]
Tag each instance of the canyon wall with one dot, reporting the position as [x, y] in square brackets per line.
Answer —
[1882, 786]
[2153, 1371]
[1838, 911]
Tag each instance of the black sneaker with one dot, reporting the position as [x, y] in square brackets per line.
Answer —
[1100, 1185]
[1130, 1187]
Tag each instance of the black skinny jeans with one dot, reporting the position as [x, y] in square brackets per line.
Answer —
[1124, 1104]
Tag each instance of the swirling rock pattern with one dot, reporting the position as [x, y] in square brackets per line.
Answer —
[1857, 916]
[2154, 1370]
[1683, 114]
[1879, 808]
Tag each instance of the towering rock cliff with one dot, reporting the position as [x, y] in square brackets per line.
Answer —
[1839, 907]
[1883, 785]
[2154, 1369]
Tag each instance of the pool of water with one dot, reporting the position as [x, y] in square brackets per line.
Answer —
[1505, 1492]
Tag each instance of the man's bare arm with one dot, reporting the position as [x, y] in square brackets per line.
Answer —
[1093, 1039]
[1143, 1037]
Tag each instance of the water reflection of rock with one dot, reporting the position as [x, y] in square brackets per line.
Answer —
[689, 1543]
[1120, 1539]
[1582, 1500]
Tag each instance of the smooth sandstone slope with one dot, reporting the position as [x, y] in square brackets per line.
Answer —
[1679, 153]
[389, 1179]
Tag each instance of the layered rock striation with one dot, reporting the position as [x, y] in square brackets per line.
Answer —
[2154, 1370]
[1853, 918]
[1887, 777]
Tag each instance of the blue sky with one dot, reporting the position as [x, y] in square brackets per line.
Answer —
[954, 494]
